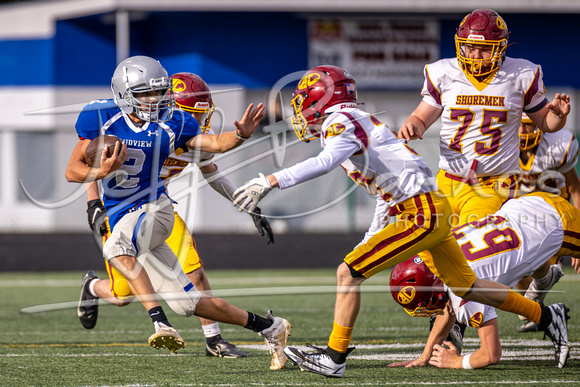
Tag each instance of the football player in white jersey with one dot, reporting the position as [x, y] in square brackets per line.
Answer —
[325, 105]
[545, 152]
[511, 244]
[480, 96]
[548, 162]
[140, 212]
[194, 96]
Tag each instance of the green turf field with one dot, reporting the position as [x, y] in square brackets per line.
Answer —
[52, 348]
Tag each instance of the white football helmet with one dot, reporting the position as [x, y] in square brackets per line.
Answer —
[138, 75]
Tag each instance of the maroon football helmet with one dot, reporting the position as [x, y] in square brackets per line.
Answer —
[320, 89]
[482, 28]
[417, 289]
[192, 94]
[530, 134]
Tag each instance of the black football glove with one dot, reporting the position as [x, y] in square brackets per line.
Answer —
[262, 224]
[97, 214]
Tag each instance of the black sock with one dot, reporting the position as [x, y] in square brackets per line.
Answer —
[257, 323]
[338, 357]
[158, 315]
[545, 319]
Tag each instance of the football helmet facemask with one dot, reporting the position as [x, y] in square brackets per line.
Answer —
[192, 94]
[483, 28]
[417, 289]
[141, 85]
[528, 140]
[321, 90]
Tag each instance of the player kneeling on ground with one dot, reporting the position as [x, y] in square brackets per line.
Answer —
[504, 247]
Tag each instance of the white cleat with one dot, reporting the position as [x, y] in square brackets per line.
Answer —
[536, 294]
[275, 337]
[557, 331]
[317, 362]
[166, 337]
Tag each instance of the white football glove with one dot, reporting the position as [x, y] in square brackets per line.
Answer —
[248, 195]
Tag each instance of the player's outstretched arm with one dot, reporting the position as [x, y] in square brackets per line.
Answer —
[225, 187]
[419, 121]
[223, 142]
[552, 117]
[441, 328]
[489, 353]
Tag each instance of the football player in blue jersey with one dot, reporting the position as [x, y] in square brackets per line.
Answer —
[193, 95]
[140, 213]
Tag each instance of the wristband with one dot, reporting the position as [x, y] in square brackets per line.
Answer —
[465, 363]
[240, 137]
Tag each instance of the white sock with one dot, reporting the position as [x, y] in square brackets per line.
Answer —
[544, 281]
[211, 330]
[92, 287]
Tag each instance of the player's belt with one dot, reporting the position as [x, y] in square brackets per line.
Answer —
[470, 178]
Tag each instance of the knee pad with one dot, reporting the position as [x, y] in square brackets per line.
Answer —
[182, 302]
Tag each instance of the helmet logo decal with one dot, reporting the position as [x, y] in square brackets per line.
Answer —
[417, 259]
[158, 82]
[178, 85]
[202, 105]
[475, 37]
[500, 23]
[406, 295]
[308, 80]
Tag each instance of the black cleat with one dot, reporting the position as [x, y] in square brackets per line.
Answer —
[88, 308]
[218, 347]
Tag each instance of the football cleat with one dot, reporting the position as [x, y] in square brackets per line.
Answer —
[275, 337]
[530, 326]
[455, 335]
[317, 361]
[535, 294]
[166, 337]
[218, 347]
[88, 307]
[557, 331]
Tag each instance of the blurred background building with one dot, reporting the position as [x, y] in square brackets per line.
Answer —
[56, 56]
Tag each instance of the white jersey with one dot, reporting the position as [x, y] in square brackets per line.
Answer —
[504, 248]
[369, 153]
[472, 314]
[180, 159]
[480, 120]
[556, 152]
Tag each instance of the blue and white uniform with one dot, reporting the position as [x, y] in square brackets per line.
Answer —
[140, 212]
[148, 146]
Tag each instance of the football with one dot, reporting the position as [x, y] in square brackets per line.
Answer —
[95, 148]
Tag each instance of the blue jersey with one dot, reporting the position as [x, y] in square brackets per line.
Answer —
[148, 146]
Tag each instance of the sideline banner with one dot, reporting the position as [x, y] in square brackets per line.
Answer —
[378, 53]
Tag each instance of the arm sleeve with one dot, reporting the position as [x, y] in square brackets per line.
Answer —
[335, 153]
[220, 183]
